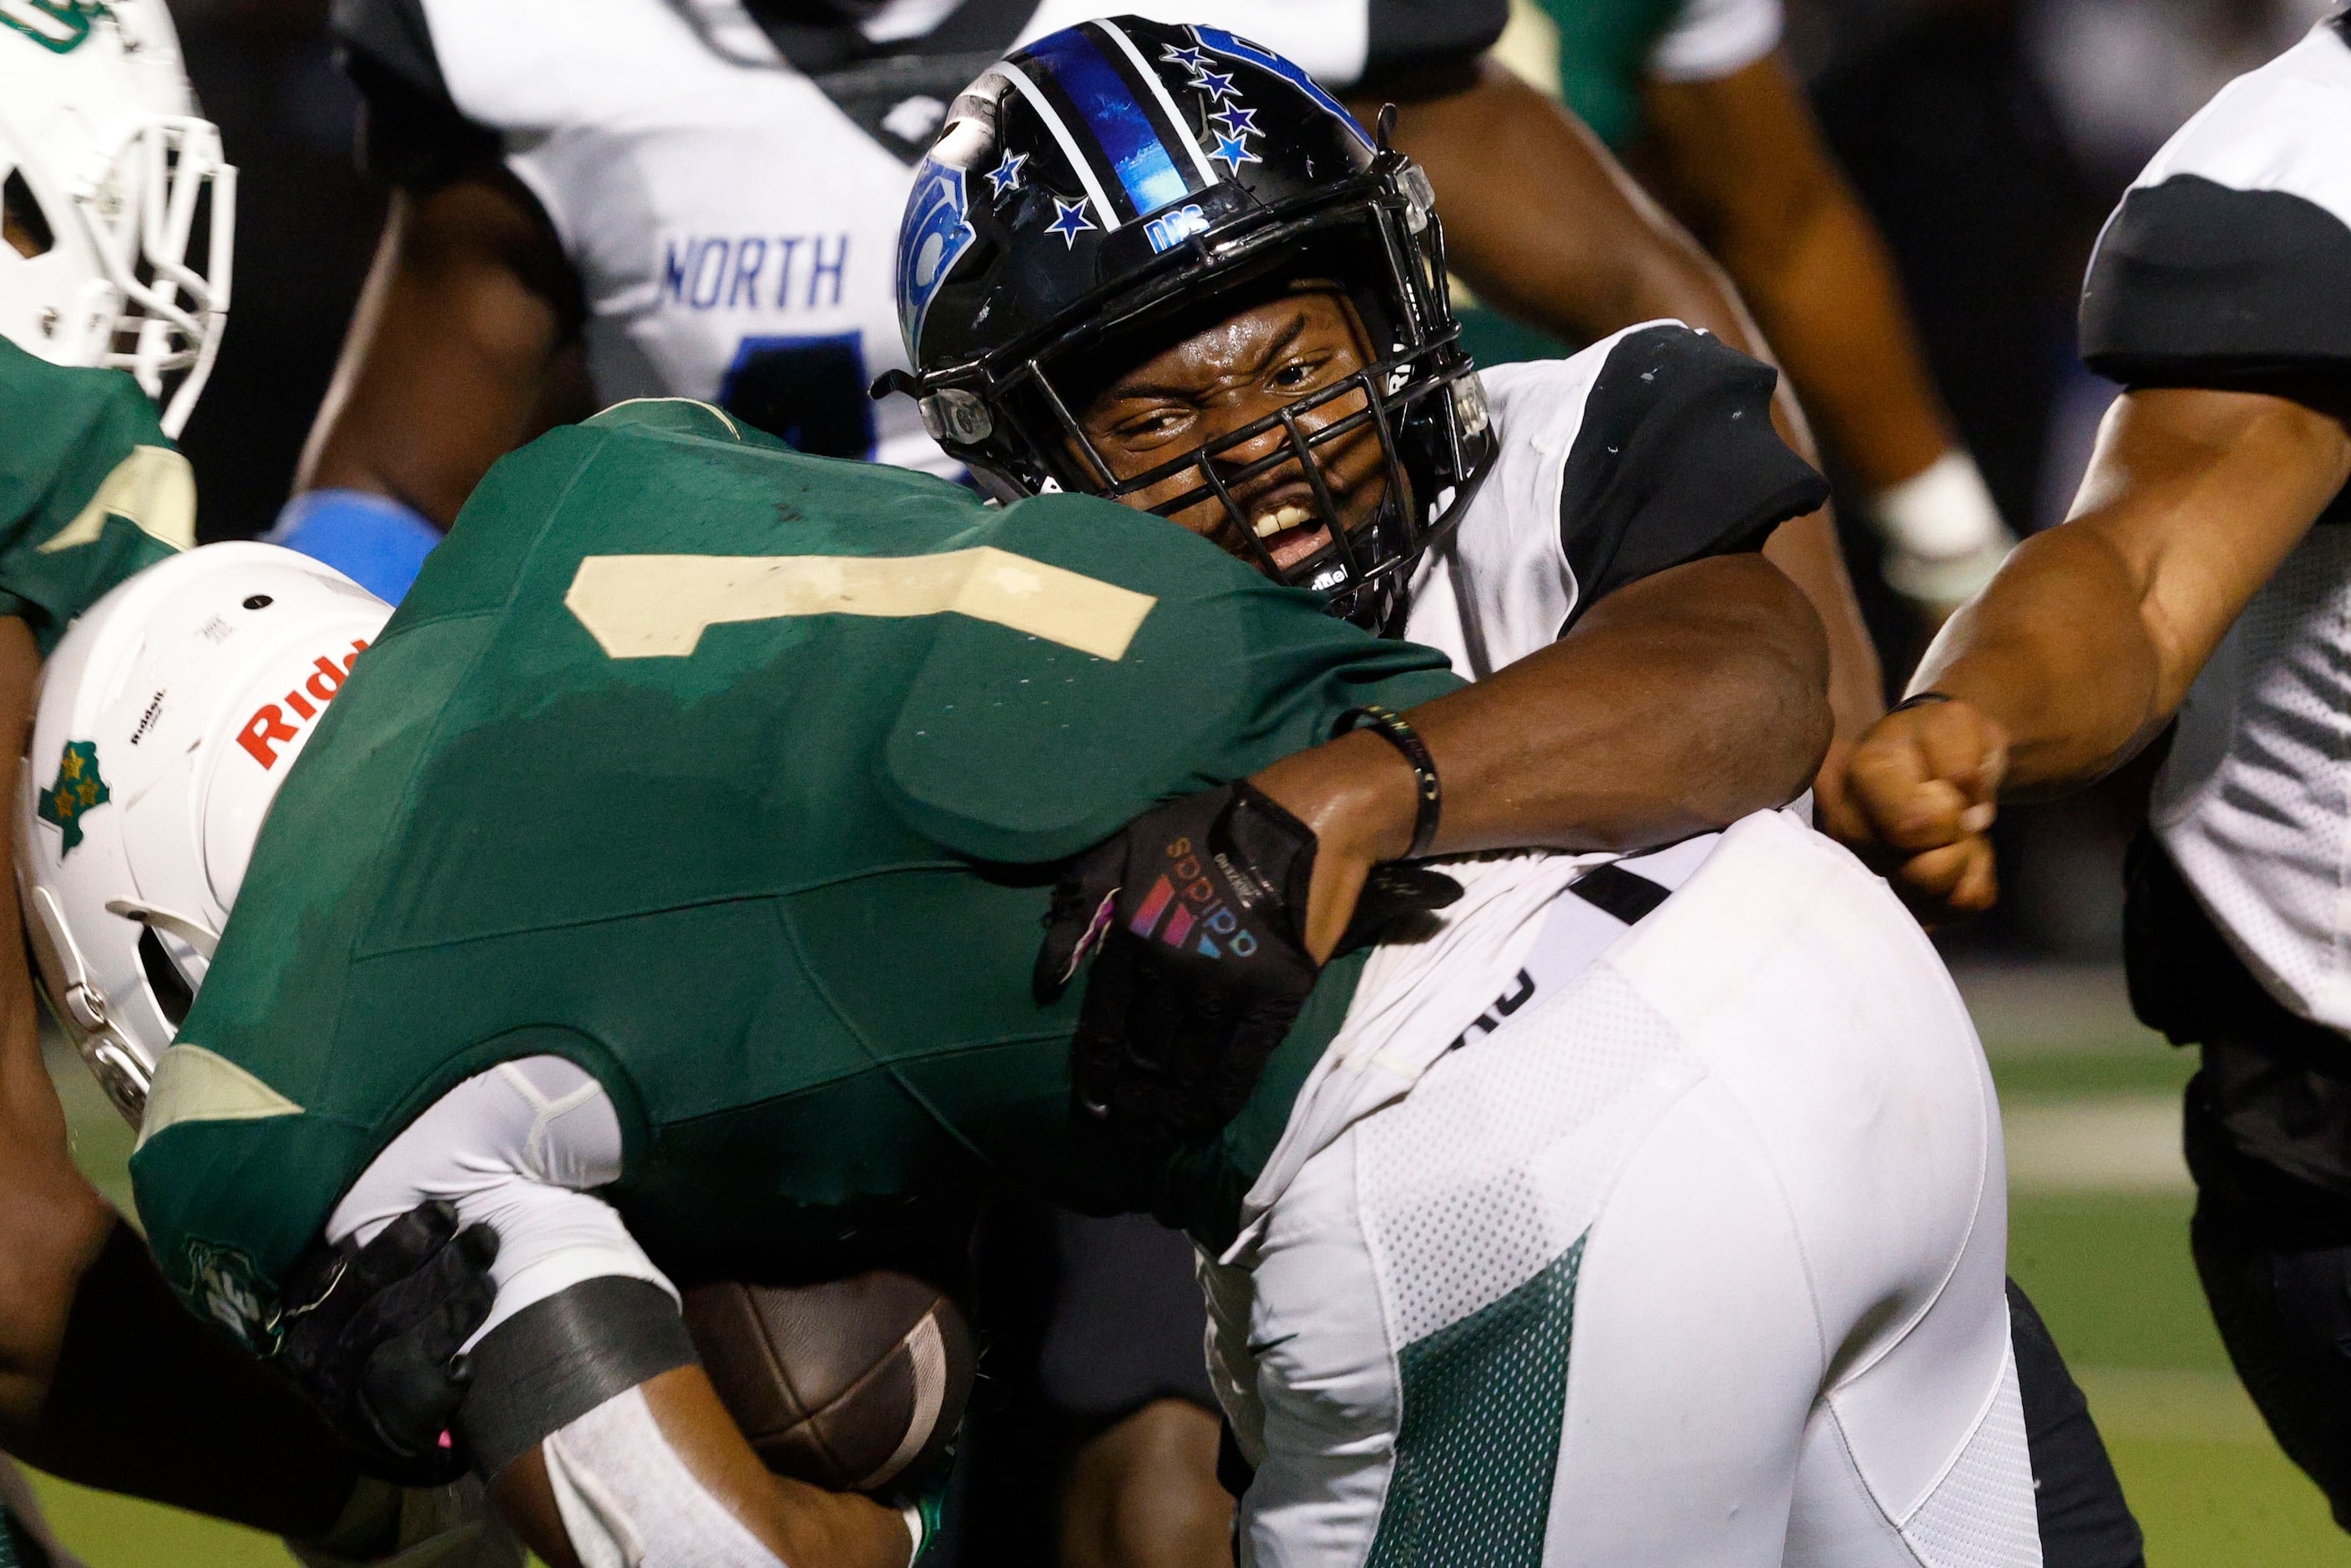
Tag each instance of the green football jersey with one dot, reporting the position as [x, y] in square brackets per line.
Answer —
[735, 775]
[90, 488]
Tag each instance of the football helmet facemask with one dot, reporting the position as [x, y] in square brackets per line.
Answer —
[1102, 188]
[119, 210]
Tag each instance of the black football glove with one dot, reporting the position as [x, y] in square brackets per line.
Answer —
[1195, 915]
[371, 1337]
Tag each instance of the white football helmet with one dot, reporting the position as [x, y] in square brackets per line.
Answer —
[119, 211]
[168, 716]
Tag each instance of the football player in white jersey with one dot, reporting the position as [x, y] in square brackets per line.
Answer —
[1234, 397]
[2204, 577]
[1162, 265]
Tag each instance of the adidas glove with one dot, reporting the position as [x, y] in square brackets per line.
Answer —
[1195, 917]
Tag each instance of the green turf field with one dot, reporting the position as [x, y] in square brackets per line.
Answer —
[2098, 1235]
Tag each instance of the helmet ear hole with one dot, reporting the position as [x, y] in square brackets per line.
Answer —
[172, 993]
[25, 227]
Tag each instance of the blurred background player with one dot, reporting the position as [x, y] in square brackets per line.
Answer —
[2204, 576]
[117, 213]
[1700, 98]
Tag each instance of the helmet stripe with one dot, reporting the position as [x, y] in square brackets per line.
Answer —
[1158, 91]
[1069, 144]
[1120, 125]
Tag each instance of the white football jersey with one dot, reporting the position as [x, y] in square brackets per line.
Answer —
[2228, 265]
[728, 183]
[1651, 447]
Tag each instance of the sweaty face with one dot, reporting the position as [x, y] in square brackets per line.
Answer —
[1230, 376]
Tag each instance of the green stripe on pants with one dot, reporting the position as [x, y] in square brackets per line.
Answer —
[1483, 1402]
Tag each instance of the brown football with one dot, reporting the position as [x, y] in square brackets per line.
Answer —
[847, 1385]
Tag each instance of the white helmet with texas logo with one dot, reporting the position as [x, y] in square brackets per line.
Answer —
[168, 716]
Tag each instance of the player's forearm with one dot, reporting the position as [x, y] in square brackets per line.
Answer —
[799, 1525]
[2086, 643]
[1827, 296]
[1679, 704]
[144, 1398]
[446, 362]
[2055, 652]
[1543, 222]
[52, 1221]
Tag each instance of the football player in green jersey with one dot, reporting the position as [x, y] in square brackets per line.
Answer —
[686, 744]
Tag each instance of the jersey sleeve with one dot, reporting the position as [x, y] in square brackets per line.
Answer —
[411, 133]
[1709, 39]
[2225, 264]
[1669, 454]
[90, 489]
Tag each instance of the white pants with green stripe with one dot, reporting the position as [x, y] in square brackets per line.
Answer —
[1693, 1257]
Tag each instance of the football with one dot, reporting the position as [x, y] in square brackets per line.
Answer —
[848, 1384]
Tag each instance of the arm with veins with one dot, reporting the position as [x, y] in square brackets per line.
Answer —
[2086, 642]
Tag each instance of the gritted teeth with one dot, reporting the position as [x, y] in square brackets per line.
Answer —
[1281, 519]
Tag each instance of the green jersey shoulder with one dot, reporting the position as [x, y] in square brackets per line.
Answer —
[90, 488]
[738, 777]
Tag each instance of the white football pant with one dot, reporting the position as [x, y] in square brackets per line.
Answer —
[1690, 1256]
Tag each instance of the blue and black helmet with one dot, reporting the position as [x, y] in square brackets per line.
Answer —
[1123, 175]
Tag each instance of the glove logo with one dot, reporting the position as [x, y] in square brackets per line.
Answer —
[224, 1285]
[79, 788]
[1200, 908]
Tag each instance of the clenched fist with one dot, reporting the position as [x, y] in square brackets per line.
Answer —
[1916, 798]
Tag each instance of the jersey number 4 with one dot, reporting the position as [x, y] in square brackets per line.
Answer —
[810, 391]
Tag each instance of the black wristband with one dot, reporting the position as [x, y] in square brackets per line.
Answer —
[1390, 727]
[1920, 699]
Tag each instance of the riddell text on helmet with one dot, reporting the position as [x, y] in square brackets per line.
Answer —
[269, 728]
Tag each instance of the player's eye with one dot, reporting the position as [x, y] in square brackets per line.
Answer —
[1301, 373]
[1152, 425]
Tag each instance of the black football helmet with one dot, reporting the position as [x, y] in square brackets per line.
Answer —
[1120, 176]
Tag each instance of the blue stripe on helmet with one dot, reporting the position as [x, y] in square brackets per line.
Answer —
[1288, 71]
[1120, 124]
